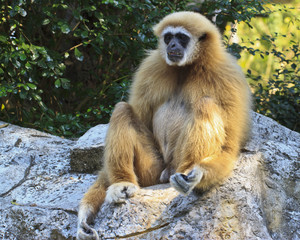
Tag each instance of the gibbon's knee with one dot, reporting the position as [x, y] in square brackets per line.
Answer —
[122, 113]
[131, 154]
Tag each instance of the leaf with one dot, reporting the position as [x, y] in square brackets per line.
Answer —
[32, 86]
[78, 55]
[46, 21]
[57, 83]
[34, 52]
[22, 12]
[84, 34]
[65, 83]
[28, 66]
[22, 56]
[3, 39]
[65, 29]
[25, 87]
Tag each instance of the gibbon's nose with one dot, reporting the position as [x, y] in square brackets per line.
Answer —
[174, 49]
[173, 46]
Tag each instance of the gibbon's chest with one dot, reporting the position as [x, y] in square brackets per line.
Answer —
[168, 122]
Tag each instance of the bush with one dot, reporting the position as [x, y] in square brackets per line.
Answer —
[64, 64]
[279, 97]
[270, 59]
[272, 62]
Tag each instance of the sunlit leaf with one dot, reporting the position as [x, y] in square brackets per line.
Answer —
[22, 56]
[57, 83]
[65, 29]
[22, 12]
[78, 54]
[32, 86]
[46, 21]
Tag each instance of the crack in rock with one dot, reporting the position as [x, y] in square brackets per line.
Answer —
[142, 232]
[26, 173]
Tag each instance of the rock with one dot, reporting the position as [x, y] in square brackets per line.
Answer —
[39, 192]
[86, 154]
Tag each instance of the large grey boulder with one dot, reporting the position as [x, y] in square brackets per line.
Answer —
[39, 192]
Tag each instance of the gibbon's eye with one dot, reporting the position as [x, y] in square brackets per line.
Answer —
[167, 38]
[202, 37]
[183, 39]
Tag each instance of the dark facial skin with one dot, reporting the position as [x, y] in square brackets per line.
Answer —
[176, 45]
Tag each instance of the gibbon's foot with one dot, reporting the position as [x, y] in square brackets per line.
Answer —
[165, 175]
[186, 183]
[85, 232]
[119, 192]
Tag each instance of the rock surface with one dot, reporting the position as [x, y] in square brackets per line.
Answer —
[39, 192]
[84, 157]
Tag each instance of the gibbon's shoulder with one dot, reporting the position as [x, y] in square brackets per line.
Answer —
[151, 65]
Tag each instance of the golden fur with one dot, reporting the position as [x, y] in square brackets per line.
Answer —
[179, 120]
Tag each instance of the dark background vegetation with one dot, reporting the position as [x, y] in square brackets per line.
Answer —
[64, 64]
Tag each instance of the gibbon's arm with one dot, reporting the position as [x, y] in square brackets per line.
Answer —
[150, 87]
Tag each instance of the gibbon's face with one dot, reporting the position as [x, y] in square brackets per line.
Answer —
[178, 45]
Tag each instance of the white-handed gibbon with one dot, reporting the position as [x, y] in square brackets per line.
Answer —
[185, 122]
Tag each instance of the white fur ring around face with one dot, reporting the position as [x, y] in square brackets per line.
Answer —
[119, 192]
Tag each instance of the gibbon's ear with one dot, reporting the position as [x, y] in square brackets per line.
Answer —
[201, 38]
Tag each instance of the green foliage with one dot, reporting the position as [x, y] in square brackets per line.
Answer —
[231, 11]
[64, 64]
[272, 62]
[271, 59]
[279, 96]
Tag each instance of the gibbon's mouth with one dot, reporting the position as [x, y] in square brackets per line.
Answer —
[175, 56]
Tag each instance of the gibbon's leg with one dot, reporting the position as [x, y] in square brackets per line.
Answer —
[89, 206]
[131, 155]
[130, 158]
[204, 157]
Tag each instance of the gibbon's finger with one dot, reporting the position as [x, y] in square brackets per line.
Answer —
[85, 232]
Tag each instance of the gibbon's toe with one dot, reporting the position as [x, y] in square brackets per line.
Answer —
[85, 232]
[119, 192]
[186, 183]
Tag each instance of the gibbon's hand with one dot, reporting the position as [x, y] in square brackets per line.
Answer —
[186, 183]
[119, 192]
[85, 232]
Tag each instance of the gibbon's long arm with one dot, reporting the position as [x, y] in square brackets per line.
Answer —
[152, 84]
